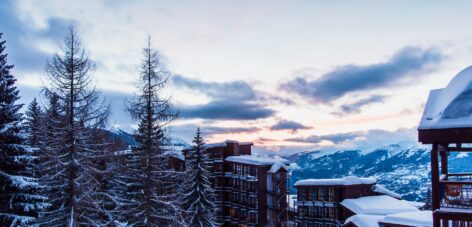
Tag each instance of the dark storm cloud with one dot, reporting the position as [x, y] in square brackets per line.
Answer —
[224, 90]
[235, 100]
[226, 110]
[406, 65]
[353, 108]
[21, 48]
[289, 125]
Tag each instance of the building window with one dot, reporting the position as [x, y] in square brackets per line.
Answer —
[322, 194]
[332, 195]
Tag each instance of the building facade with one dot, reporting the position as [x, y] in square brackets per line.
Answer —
[250, 190]
[446, 125]
[318, 200]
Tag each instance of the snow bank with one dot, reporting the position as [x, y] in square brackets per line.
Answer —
[350, 180]
[256, 160]
[450, 107]
[364, 220]
[378, 205]
[417, 218]
[382, 190]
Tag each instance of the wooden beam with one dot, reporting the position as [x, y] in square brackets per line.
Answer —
[443, 153]
[461, 149]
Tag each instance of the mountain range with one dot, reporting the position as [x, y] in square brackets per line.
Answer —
[402, 169]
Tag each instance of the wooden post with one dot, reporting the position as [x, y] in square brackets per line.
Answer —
[435, 176]
[443, 154]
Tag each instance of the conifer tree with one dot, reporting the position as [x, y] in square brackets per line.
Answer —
[68, 160]
[197, 204]
[151, 190]
[428, 201]
[33, 123]
[19, 201]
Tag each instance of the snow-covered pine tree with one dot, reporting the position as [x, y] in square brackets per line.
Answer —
[69, 168]
[19, 201]
[33, 123]
[428, 201]
[150, 198]
[197, 200]
[49, 145]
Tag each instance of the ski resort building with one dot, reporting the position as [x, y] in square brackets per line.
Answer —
[329, 202]
[446, 125]
[250, 190]
[319, 200]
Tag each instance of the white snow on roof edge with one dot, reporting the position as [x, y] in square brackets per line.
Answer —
[276, 166]
[382, 190]
[450, 107]
[364, 220]
[417, 218]
[350, 180]
[256, 160]
[377, 205]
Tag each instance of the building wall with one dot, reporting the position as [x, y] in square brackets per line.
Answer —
[235, 190]
[320, 205]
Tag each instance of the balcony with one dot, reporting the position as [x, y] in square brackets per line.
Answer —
[456, 192]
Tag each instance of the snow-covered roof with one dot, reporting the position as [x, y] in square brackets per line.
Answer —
[177, 155]
[382, 190]
[378, 205]
[450, 107]
[276, 166]
[416, 204]
[364, 220]
[350, 180]
[256, 160]
[417, 218]
[224, 143]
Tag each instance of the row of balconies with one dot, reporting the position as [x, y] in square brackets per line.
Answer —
[241, 177]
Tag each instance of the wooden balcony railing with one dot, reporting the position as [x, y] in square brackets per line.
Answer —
[456, 191]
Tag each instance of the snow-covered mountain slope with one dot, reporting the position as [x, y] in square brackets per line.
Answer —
[405, 170]
[128, 141]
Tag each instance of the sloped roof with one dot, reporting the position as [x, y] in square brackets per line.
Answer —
[450, 107]
[416, 218]
[364, 220]
[377, 205]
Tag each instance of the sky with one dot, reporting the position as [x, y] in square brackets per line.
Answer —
[289, 76]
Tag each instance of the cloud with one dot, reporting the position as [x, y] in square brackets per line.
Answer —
[334, 138]
[288, 125]
[235, 100]
[354, 108]
[224, 90]
[360, 140]
[187, 131]
[226, 110]
[404, 66]
[228, 130]
[22, 39]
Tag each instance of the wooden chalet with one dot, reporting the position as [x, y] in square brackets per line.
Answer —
[446, 125]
